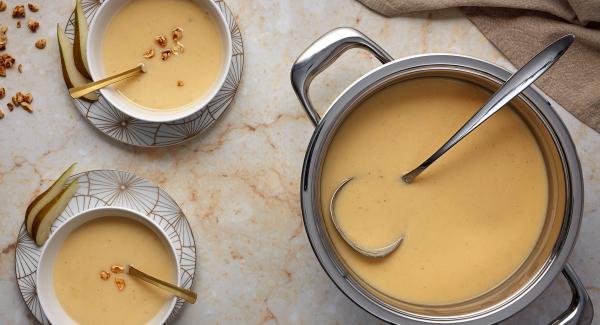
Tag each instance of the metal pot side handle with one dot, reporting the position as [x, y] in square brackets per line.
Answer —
[581, 310]
[321, 54]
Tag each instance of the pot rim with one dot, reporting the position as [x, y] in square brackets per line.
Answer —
[311, 211]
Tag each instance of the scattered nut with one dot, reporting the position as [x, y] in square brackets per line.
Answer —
[20, 68]
[179, 83]
[116, 269]
[177, 34]
[178, 49]
[33, 7]
[10, 106]
[104, 275]
[19, 11]
[2, 5]
[149, 54]
[33, 25]
[40, 44]
[166, 54]
[7, 60]
[17, 99]
[2, 71]
[3, 37]
[18, 24]
[1, 114]
[27, 98]
[2, 92]
[3, 29]
[27, 107]
[161, 40]
[120, 283]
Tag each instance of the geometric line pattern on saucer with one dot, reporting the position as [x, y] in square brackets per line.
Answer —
[112, 188]
[126, 129]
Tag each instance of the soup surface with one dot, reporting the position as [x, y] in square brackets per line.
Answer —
[469, 221]
[95, 247]
[132, 32]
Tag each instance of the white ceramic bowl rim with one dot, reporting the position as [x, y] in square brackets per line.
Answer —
[45, 287]
[97, 28]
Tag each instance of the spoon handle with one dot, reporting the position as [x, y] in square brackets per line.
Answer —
[82, 90]
[183, 293]
[520, 80]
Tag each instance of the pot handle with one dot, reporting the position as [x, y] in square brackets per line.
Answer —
[321, 54]
[581, 310]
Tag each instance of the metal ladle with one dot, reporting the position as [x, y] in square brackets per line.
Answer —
[518, 82]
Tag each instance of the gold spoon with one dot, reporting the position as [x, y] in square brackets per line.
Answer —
[83, 90]
[187, 295]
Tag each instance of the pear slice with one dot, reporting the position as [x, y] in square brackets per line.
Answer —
[44, 219]
[80, 43]
[70, 73]
[41, 200]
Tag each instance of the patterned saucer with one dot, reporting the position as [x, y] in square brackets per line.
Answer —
[120, 189]
[124, 128]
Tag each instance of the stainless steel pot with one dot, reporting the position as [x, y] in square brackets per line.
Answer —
[549, 256]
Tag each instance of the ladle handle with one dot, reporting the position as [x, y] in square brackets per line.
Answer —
[321, 54]
[581, 310]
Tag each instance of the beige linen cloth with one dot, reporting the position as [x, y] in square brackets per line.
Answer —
[521, 28]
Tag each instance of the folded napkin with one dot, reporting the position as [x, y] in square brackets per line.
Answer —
[519, 29]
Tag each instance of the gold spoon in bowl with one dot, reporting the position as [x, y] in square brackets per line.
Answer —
[187, 295]
[516, 84]
[85, 89]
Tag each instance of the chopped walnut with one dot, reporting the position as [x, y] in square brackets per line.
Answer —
[17, 99]
[2, 92]
[33, 25]
[7, 60]
[177, 34]
[27, 98]
[166, 54]
[117, 269]
[3, 37]
[2, 5]
[1, 114]
[3, 29]
[33, 7]
[149, 54]
[120, 283]
[10, 106]
[20, 68]
[19, 11]
[2, 71]
[178, 49]
[18, 24]
[104, 275]
[161, 40]
[40, 44]
[27, 107]
[179, 83]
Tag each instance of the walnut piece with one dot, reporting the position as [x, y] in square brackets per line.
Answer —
[120, 283]
[20, 68]
[2, 71]
[178, 49]
[40, 44]
[179, 83]
[27, 98]
[7, 60]
[3, 29]
[18, 11]
[117, 269]
[33, 7]
[18, 24]
[2, 92]
[2, 5]
[161, 41]
[10, 106]
[104, 275]
[177, 34]
[3, 37]
[1, 114]
[166, 54]
[33, 25]
[26, 106]
[149, 54]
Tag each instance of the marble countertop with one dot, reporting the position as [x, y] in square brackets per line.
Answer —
[239, 182]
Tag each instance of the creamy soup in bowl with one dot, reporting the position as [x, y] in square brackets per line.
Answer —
[185, 46]
[82, 276]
